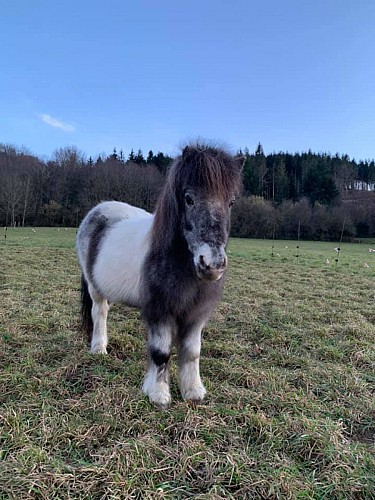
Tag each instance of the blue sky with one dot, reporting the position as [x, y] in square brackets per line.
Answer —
[148, 74]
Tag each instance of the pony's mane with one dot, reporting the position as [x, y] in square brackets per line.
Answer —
[200, 166]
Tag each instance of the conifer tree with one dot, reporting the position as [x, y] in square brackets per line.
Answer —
[131, 156]
[139, 157]
[150, 157]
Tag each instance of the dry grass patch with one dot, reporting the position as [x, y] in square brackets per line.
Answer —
[288, 361]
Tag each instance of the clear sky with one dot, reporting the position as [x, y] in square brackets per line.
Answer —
[293, 74]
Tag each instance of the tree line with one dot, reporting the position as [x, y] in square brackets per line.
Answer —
[320, 196]
[320, 177]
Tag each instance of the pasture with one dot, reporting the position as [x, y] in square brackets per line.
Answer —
[288, 362]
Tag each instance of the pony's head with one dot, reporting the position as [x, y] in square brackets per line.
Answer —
[200, 190]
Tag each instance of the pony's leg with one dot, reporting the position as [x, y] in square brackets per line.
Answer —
[156, 382]
[99, 313]
[190, 382]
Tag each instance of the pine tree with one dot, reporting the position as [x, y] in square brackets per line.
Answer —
[150, 157]
[139, 157]
[131, 156]
[114, 156]
[260, 167]
[280, 189]
[162, 162]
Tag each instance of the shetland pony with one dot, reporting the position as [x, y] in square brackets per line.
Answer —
[169, 264]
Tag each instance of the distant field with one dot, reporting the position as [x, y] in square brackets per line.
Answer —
[288, 361]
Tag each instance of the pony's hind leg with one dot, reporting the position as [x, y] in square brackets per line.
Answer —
[190, 383]
[99, 313]
[156, 382]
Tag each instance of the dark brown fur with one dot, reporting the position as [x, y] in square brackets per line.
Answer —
[171, 286]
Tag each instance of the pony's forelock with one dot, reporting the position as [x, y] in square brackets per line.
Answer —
[208, 168]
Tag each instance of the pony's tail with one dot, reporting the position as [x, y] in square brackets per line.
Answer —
[86, 306]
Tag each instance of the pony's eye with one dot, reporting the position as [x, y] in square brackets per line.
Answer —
[189, 200]
[231, 203]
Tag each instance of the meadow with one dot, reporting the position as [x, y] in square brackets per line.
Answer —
[288, 361]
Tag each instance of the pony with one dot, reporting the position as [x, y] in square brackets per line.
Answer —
[169, 264]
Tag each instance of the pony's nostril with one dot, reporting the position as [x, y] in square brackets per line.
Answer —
[222, 263]
[202, 262]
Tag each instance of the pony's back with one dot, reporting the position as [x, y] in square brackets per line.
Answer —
[97, 220]
[116, 210]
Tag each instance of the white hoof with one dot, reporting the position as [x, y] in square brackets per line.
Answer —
[98, 349]
[193, 393]
[158, 393]
[160, 398]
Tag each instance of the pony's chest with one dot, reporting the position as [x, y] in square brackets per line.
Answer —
[183, 296]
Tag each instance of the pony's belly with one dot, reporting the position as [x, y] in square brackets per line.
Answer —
[125, 287]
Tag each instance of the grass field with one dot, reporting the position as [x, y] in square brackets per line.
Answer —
[288, 362]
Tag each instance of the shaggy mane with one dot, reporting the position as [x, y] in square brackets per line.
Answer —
[200, 166]
[211, 169]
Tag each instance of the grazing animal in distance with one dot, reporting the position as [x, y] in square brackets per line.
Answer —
[169, 264]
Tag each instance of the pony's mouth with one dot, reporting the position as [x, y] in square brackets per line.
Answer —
[210, 274]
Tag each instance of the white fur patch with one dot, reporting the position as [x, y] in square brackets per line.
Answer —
[118, 267]
[191, 386]
[208, 253]
[190, 382]
[119, 210]
[162, 340]
[157, 390]
[205, 251]
[99, 339]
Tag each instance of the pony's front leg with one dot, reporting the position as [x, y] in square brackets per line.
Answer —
[191, 386]
[156, 382]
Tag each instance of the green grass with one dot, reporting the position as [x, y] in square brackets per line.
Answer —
[288, 361]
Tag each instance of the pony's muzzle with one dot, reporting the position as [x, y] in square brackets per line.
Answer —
[211, 270]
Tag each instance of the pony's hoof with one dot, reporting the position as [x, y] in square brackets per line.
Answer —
[194, 394]
[98, 350]
[159, 396]
[160, 399]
